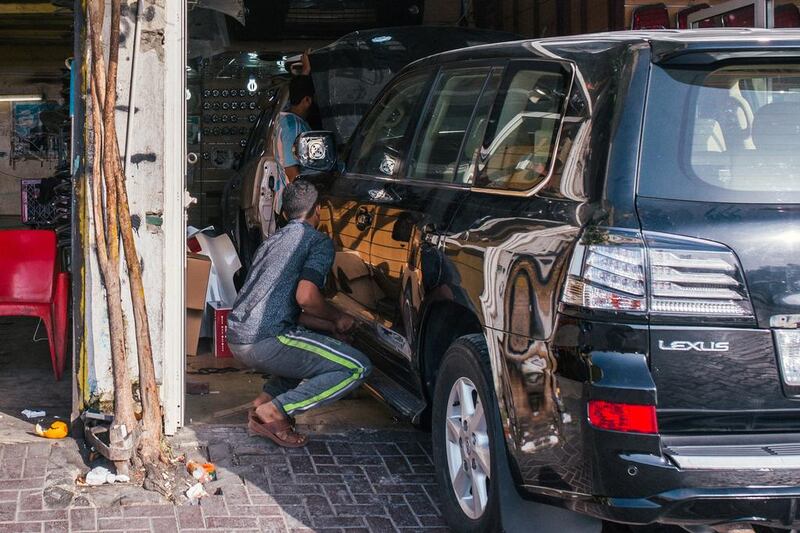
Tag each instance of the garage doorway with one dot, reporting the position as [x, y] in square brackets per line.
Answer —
[36, 194]
[237, 70]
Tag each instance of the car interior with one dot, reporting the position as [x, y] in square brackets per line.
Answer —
[745, 128]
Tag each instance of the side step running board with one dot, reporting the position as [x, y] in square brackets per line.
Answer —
[394, 395]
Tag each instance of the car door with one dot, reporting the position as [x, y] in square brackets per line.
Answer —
[348, 209]
[413, 210]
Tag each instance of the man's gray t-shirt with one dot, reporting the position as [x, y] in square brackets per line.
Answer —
[266, 305]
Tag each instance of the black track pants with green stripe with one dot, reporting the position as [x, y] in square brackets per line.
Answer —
[308, 369]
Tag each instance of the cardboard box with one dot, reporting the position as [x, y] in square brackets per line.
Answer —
[198, 268]
[221, 348]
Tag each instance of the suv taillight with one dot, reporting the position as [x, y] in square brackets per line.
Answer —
[618, 270]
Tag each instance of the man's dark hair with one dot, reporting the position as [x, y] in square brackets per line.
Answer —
[299, 88]
[299, 199]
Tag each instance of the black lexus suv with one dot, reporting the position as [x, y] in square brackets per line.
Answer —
[578, 260]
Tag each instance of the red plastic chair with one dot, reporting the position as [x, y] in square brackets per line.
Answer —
[31, 285]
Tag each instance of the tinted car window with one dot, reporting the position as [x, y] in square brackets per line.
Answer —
[378, 147]
[444, 124]
[477, 129]
[517, 153]
[723, 135]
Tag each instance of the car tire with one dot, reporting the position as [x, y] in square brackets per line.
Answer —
[464, 450]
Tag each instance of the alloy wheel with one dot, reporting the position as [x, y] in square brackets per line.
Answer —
[468, 452]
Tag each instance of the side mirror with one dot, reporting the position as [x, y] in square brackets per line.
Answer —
[316, 150]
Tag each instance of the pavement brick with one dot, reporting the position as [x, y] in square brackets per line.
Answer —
[11, 469]
[360, 510]
[296, 489]
[255, 510]
[164, 524]
[402, 516]
[331, 521]
[56, 526]
[338, 494]
[21, 527]
[30, 500]
[272, 525]
[301, 464]
[9, 495]
[8, 511]
[214, 506]
[148, 510]
[358, 460]
[317, 505]
[231, 522]
[83, 519]
[190, 517]
[379, 524]
[340, 469]
[21, 484]
[296, 517]
[317, 478]
[387, 448]
[41, 515]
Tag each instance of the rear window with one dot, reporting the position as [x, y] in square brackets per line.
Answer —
[730, 134]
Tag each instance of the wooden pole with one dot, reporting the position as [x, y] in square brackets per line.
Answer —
[150, 442]
[116, 223]
[124, 419]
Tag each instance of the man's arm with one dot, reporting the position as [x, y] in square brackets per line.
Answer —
[311, 300]
[315, 323]
[292, 172]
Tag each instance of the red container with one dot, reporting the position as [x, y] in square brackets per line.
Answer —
[221, 312]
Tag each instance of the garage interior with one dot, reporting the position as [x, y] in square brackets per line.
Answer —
[36, 46]
[235, 65]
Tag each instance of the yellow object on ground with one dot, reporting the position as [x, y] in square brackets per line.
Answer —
[57, 429]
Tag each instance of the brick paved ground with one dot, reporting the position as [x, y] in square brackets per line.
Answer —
[377, 481]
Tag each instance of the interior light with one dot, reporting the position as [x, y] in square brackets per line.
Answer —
[21, 98]
[381, 39]
[252, 86]
[252, 55]
[188, 94]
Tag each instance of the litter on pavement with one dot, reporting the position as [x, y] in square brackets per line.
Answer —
[52, 429]
[100, 475]
[29, 413]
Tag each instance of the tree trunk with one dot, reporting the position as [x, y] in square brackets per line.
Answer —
[109, 268]
[117, 217]
[150, 443]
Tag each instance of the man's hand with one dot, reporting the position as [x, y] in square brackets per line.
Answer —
[345, 324]
[306, 61]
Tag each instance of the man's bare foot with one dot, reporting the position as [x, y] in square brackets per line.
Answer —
[269, 414]
[261, 399]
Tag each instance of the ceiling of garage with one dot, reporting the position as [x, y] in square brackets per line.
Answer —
[32, 22]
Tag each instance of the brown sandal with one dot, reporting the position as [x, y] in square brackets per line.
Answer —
[271, 430]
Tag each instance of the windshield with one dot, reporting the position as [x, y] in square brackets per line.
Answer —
[730, 134]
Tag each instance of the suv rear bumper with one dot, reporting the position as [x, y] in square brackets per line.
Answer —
[777, 507]
[679, 478]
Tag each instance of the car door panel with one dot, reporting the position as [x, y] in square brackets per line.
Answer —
[416, 210]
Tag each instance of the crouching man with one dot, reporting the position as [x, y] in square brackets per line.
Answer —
[282, 325]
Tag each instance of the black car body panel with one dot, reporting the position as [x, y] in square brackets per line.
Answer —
[438, 259]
